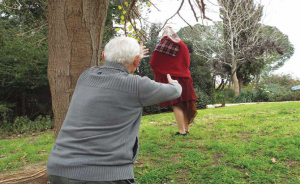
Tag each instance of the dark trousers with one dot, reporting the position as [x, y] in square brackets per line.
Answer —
[62, 180]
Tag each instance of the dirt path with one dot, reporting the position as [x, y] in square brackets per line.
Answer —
[250, 103]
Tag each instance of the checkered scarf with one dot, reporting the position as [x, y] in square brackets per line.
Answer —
[167, 47]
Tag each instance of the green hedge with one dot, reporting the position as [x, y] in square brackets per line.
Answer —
[22, 125]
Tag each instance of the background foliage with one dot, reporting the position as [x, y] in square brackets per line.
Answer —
[24, 90]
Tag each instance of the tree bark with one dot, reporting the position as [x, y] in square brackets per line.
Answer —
[75, 37]
[235, 81]
[225, 83]
[226, 94]
[257, 79]
[241, 84]
[220, 85]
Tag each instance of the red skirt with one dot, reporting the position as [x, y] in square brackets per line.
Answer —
[188, 92]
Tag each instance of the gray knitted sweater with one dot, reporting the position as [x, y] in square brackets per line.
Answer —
[98, 140]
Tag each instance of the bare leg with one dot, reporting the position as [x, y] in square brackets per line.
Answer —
[186, 123]
[179, 116]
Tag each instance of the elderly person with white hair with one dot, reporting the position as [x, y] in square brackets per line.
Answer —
[98, 141]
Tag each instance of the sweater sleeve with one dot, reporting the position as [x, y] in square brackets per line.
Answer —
[151, 92]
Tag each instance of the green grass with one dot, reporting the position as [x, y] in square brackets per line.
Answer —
[226, 145]
[15, 153]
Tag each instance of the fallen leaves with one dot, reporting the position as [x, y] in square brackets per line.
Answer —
[42, 152]
[273, 160]
[21, 158]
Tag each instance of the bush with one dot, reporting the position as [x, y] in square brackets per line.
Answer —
[5, 114]
[282, 80]
[259, 94]
[272, 88]
[263, 95]
[203, 98]
[219, 96]
[155, 109]
[267, 93]
[280, 87]
[23, 125]
[282, 93]
[245, 96]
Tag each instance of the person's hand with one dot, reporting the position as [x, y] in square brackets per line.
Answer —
[143, 51]
[170, 80]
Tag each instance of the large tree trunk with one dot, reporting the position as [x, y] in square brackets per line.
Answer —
[234, 78]
[75, 37]
[226, 94]
[241, 83]
[257, 78]
[236, 85]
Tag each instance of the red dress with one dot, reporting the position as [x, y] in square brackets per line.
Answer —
[188, 93]
[174, 59]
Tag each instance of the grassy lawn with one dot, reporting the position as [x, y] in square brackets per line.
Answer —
[238, 144]
[15, 153]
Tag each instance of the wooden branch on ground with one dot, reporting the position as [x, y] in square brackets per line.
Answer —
[32, 177]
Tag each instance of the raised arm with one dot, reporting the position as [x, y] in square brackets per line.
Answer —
[151, 92]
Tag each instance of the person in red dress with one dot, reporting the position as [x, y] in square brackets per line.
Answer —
[171, 56]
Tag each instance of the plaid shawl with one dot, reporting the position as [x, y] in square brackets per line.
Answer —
[167, 47]
[171, 60]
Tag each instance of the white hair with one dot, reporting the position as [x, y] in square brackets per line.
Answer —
[121, 50]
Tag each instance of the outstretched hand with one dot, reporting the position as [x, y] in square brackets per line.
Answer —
[170, 80]
[144, 50]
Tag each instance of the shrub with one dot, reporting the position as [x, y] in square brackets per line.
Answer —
[23, 125]
[152, 109]
[282, 80]
[263, 95]
[5, 114]
[219, 96]
[203, 98]
[280, 86]
[272, 88]
[245, 96]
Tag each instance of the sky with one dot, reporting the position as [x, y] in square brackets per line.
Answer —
[283, 14]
